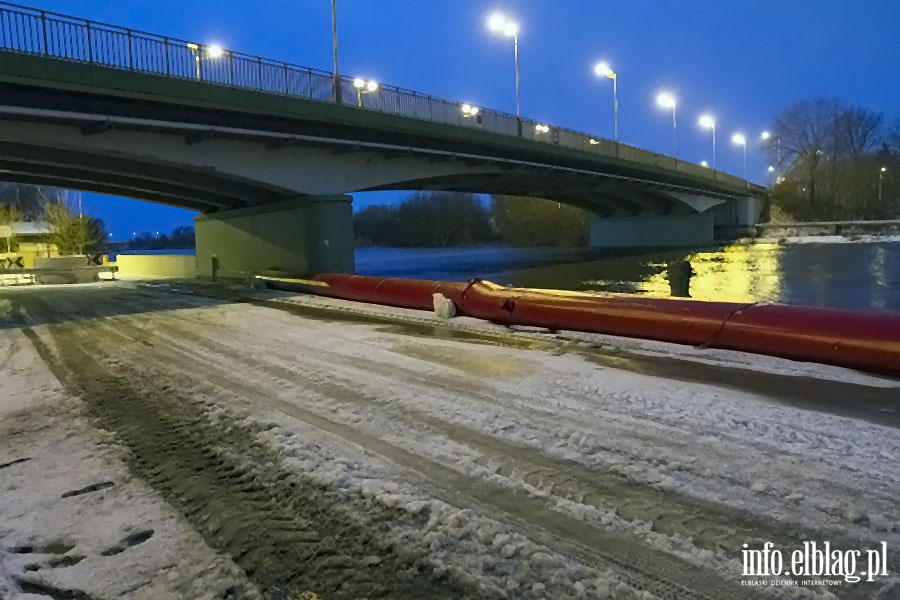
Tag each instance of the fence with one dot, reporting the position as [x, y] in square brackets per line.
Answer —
[38, 32]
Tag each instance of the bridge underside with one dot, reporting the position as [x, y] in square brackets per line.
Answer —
[217, 162]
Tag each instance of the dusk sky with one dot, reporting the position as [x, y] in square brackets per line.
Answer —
[740, 60]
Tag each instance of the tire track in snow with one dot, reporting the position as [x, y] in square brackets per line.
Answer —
[289, 534]
[666, 576]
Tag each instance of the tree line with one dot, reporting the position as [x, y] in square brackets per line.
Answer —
[181, 238]
[834, 162]
[441, 219]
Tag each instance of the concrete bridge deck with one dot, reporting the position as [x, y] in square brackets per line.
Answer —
[108, 109]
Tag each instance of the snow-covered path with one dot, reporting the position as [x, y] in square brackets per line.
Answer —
[354, 453]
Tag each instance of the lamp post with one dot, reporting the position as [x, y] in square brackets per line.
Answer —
[500, 23]
[337, 78]
[708, 122]
[602, 69]
[364, 87]
[880, 181]
[765, 136]
[771, 171]
[740, 140]
[211, 51]
[667, 100]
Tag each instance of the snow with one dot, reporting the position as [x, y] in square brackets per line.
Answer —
[827, 239]
[495, 445]
[730, 358]
[54, 532]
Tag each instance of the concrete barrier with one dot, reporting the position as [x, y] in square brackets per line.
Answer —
[157, 266]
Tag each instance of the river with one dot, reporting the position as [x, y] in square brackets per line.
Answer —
[861, 275]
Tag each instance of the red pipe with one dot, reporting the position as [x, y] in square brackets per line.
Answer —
[861, 340]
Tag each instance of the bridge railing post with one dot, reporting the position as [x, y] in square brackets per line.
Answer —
[90, 46]
[166, 49]
[44, 31]
[130, 50]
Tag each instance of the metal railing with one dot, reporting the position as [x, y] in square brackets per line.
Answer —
[38, 32]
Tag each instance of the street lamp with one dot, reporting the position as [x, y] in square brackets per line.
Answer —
[204, 53]
[703, 163]
[364, 87]
[765, 136]
[602, 69]
[880, 180]
[667, 100]
[708, 122]
[771, 171]
[336, 82]
[469, 111]
[501, 24]
[740, 140]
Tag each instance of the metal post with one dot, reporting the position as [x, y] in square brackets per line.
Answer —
[166, 42]
[44, 30]
[880, 179]
[130, 52]
[615, 109]
[674, 148]
[745, 162]
[518, 111]
[714, 151]
[90, 48]
[337, 77]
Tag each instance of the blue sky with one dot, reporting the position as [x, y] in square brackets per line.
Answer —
[742, 60]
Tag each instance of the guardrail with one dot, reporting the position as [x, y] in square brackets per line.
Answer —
[40, 32]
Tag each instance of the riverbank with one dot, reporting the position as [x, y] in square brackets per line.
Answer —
[393, 454]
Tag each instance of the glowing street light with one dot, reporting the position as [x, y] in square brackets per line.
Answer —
[880, 181]
[541, 128]
[469, 111]
[502, 25]
[771, 174]
[708, 122]
[602, 69]
[200, 53]
[364, 87]
[740, 140]
[703, 163]
[667, 100]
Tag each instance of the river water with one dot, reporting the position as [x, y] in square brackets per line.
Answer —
[846, 275]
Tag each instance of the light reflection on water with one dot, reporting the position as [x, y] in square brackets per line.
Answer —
[846, 275]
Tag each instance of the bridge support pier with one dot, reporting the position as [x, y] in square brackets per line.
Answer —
[739, 217]
[652, 231]
[307, 234]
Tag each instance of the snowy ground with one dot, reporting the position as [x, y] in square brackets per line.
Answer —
[285, 445]
[827, 239]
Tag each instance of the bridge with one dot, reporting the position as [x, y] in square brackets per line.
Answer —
[268, 150]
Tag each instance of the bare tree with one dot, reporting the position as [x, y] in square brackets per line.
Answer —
[9, 216]
[71, 234]
[858, 132]
[826, 150]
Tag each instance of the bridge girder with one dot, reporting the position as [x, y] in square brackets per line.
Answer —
[238, 169]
